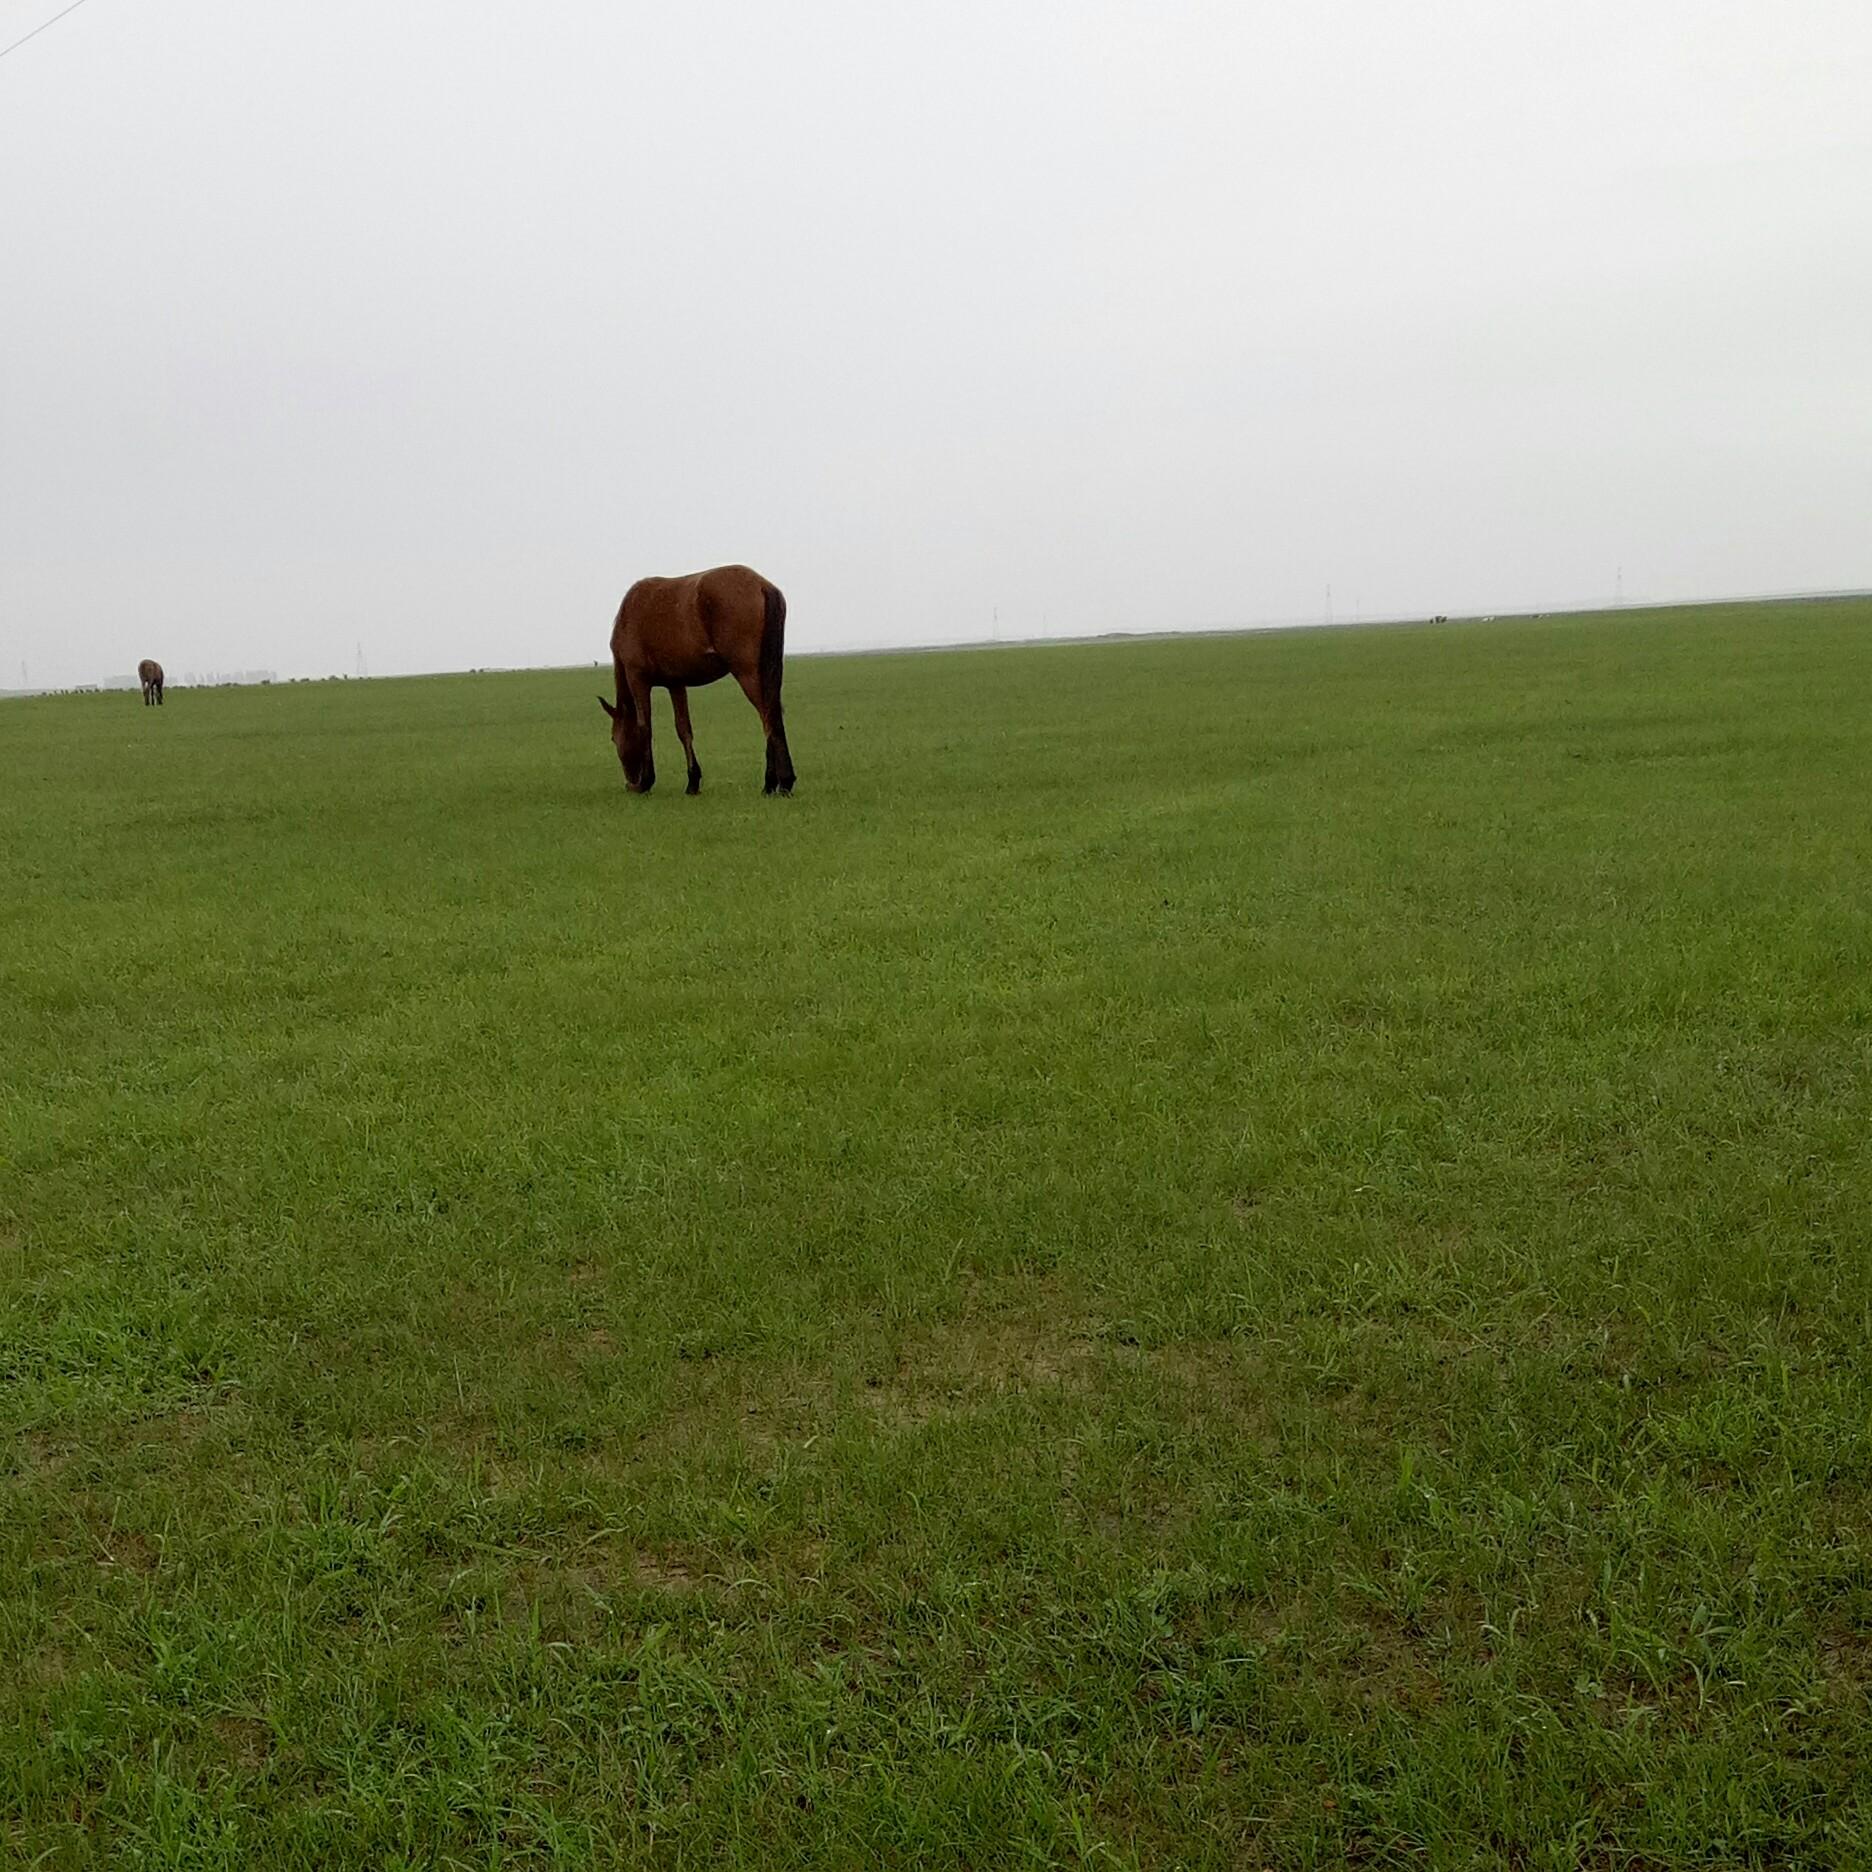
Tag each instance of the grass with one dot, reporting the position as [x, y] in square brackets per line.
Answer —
[1231, 1253]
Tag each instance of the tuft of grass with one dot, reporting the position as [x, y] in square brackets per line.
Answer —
[1230, 1253]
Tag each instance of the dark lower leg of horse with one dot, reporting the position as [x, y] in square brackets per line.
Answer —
[780, 775]
[679, 699]
[646, 760]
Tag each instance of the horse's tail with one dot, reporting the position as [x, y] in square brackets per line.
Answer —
[772, 645]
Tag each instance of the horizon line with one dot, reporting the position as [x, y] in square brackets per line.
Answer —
[1386, 621]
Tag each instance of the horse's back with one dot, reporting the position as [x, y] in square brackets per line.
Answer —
[690, 620]
[718, 588]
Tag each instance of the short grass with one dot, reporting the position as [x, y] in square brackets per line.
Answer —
[1233, 1253]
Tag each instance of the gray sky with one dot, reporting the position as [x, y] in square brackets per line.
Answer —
[436, 324]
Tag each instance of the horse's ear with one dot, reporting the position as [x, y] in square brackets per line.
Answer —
[610, 708]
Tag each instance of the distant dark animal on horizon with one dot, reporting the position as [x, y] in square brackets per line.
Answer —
[149, 674]
[682, 633]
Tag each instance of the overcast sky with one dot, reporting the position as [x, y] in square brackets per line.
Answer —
[434, 325]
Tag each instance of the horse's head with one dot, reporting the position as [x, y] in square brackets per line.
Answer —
[628, 737]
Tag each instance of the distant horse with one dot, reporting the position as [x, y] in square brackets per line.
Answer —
[149, 674]
[679, 633]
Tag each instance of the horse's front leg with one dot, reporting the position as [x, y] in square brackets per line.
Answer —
[646, 759]
[679, 701]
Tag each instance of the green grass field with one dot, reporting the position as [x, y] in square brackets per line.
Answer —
[1235, 1253]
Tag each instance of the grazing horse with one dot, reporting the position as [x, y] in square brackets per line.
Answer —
[679, 633]
[149, 674]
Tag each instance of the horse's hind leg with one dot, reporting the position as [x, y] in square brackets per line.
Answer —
[779, 776]
[679, 701]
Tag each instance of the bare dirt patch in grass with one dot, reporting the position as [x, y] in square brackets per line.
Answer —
[667, 1571]
[39, 1455]
[964, 1364]
[246, 1742]
[126, 1550]
[1394, 1666]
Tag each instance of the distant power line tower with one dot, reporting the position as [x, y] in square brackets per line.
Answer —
[362, 672]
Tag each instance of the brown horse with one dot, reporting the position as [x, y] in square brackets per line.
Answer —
[149, 674]
[679, 633]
